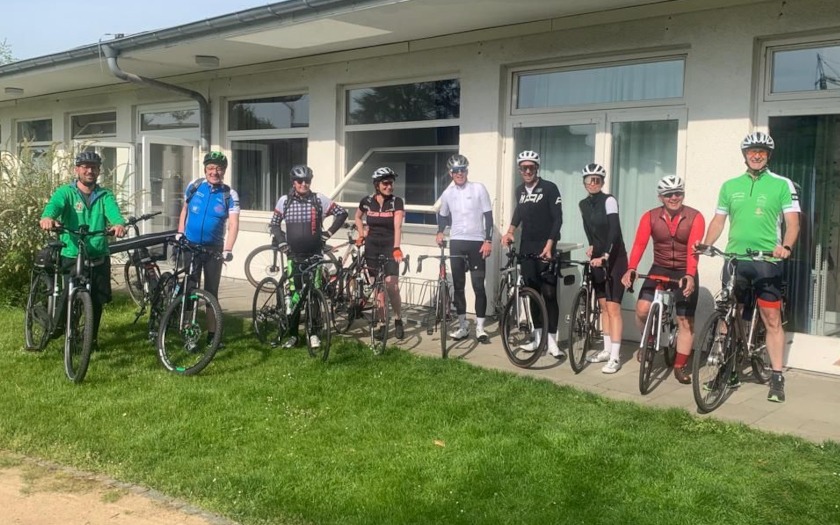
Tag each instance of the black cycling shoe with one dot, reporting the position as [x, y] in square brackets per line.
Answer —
[398, 328]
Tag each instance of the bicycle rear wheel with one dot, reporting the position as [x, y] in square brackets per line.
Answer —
[38, 323]
[760, 359]
[380, 321]
[264, 261]
[580, 331]
[134, 278]
[78, 343]
[318, 325]
[183, 343]
[670, 352]
[161, 297]
[268, 312]
[345, 301]
[713, 364]
[648, 347]
[443, 308]
[518, 328]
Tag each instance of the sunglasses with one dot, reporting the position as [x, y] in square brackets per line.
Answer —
[593, 180]
[458, 171]
[303, 181]
[386, 183]
[678, 194]
[528, 169]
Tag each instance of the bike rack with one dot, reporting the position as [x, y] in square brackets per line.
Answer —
[419, 299]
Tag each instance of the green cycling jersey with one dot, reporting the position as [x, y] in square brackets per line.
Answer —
[756, 208]
[72, 208]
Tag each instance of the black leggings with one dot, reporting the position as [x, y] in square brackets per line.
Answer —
[531, 274]
[459, 275]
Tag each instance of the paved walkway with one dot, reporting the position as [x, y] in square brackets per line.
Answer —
[812, 410]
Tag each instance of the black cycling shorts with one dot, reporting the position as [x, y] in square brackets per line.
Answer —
[609, 287]
[764, 277]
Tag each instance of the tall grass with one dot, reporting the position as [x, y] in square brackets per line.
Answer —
[272, 436]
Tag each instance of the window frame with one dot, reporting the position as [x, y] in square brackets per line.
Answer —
[82, 138]
[767, 51]
[224, 107]
[181, 133]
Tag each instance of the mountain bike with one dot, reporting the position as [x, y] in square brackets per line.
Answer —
[275, 304]
[732, 337]
[517, 324]
[140, 271]
[584, 318]
[184, 344]
[660, 330]
[442, 299]
[48, 290]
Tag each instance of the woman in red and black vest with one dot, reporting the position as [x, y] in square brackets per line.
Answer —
[675, 228]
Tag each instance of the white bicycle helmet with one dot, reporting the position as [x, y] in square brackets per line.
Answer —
[383, 173]
[670, 184]
[528, 156]
[594, 169]
[457, 161]
[758, 139]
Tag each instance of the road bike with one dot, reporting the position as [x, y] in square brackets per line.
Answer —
[442, 299]
[518, 321]
[269, 260]
[660, 331]
[190, 329]
[584, 318]
[46, 309]
[276, 303]
[733, 337]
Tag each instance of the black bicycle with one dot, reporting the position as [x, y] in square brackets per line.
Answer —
[269, 260]
[189, 314]
[47, 293]
[140, 271]
[442, 299]
[584, 318]
[522, 344]
[275, 304]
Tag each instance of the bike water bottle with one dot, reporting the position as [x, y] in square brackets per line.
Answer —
[289, 305]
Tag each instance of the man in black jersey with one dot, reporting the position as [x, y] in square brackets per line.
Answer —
[539, 210]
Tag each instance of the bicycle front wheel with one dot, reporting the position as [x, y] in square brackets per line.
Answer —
[184, 344]
[713, 364]
[444, 306]
[78, 343]
[134, 278]
[524, 343]
[38, 324]
[760, 359]
[268, 312]
[380, 321]
[318, 325]
[648, 347]
[264, 261]
[580, 331]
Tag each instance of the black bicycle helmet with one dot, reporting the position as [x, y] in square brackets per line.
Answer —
[216, 157]
[88, 157]
[301, 172]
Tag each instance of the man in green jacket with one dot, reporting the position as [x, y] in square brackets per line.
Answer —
[83, 202]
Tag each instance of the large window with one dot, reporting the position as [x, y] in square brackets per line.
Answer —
[806, 69]
[268, 136]
[93, 125]
[38, 134]
[635, 82]
[169, 120]
[411, 128]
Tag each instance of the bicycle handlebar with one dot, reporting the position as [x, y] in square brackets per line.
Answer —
[660, 279]
[756, 255]
[441, 258]
[132, 221]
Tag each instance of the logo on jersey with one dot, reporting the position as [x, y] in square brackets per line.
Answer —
[79, 207]
[558, 201]
[532, 198]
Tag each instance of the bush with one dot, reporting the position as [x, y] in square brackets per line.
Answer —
[26, 183]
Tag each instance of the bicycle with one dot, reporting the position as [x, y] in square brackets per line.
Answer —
[442, 299]
[729, 338]
[190, 314]
[269, 260]
[660, 327]
[517, 324]
[47, 291]
[140, 271]
[275, 304]
[584, 318]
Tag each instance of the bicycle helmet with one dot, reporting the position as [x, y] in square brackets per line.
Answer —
[216, 157]
[528, 156]
[457, 162]
[594, 169]
[670, 184]
[88, 157]
[383, 173]
[758, 140]
[301, 172]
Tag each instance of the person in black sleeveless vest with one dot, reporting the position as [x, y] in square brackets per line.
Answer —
[539, 210]
[608, 258]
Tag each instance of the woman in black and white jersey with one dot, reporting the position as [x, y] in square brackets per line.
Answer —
[384, 213]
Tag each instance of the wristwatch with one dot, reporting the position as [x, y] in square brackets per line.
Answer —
[788, 248]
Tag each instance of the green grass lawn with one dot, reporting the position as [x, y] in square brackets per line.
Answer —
[273, 436]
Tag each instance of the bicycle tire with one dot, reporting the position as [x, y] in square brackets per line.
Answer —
[161, 297]
[267, 306]
[344, 302]
[134, 277]
[760, 359]
[648, 347]
[670, 353]
[38, 324]
[318, 324]
[713, 364]
[444, 306]
[379, 342]
[78, 343]
[501, 298]
[183, 348]
[264, 261]
[517, 327]
[580, 333]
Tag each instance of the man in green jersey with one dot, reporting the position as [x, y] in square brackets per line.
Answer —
[83, 202]
[756, 203]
